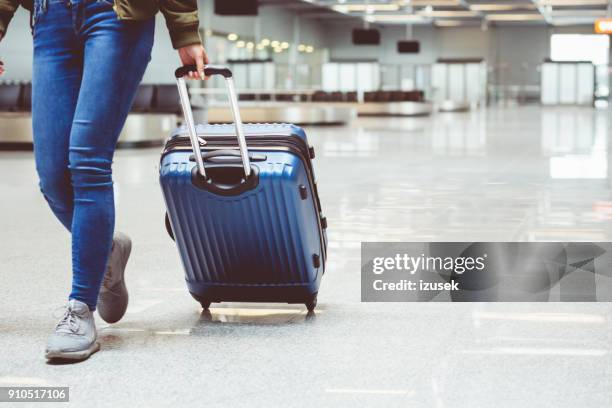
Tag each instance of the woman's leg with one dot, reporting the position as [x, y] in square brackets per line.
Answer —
[116, 54]
[56, 80]
[57, 72]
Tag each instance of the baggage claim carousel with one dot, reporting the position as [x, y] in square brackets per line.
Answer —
[143, 129]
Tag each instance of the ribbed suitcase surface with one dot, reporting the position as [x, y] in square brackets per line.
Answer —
[264, 244]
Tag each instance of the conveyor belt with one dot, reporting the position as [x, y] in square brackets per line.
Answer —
[394, 108]
[291, 112]
[453, 106]
[140, 130]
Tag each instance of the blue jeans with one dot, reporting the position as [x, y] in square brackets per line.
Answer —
[87, 67]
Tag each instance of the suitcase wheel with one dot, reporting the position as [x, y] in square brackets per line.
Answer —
[205, 304]
[169, 227]
[311, 304]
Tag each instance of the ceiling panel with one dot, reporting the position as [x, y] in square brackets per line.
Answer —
[452, 13]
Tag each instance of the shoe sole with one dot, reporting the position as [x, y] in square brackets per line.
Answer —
[122, 289]
[73, 355]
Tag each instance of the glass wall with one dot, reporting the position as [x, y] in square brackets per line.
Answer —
[594, 48]
[372, 76]
[348, 76]
[264, 64]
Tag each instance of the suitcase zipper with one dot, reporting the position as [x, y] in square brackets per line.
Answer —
[229, 140]
[187, 147]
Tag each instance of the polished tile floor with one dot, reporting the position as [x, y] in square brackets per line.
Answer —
[515, 174]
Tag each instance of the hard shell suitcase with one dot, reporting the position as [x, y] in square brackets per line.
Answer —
[247, 221]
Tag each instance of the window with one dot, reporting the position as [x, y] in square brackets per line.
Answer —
[580, 47]
[350, 76]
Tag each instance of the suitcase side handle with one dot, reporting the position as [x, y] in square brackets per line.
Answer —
[188, 114]
[225, 153]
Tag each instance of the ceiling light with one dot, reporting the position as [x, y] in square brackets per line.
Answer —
[309, 49]
[240, 44]
[501, 7]
[572, 2]
[369, 8]
[301, 48]
[232, 37]
[398, 18]
[434, 3]
[514, 17]
[284, 45]
[450, 13]
[260, 47]
[579, 13]
[448, 23]
[275, 44]
[265, 42]
[250, 45]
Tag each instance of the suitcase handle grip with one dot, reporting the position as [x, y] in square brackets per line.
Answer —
[209, 70]
[190, 124]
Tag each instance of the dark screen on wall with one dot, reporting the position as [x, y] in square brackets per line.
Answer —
[408, 47]
[362, 36]
[236, 7]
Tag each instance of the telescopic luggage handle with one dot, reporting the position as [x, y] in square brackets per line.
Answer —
[187, 112]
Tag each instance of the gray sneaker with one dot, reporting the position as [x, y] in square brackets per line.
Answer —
[113, 298]
[75, 334]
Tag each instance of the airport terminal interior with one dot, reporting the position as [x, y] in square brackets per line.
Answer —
[432, 120]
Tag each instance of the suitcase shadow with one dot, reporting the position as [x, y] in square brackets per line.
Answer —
[254, 316]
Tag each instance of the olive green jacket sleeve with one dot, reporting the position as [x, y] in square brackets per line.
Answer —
[7, 10]
[182, 21]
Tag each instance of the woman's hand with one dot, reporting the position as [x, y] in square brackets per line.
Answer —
[194, 54]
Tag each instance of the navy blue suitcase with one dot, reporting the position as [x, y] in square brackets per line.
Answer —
[247, 221]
